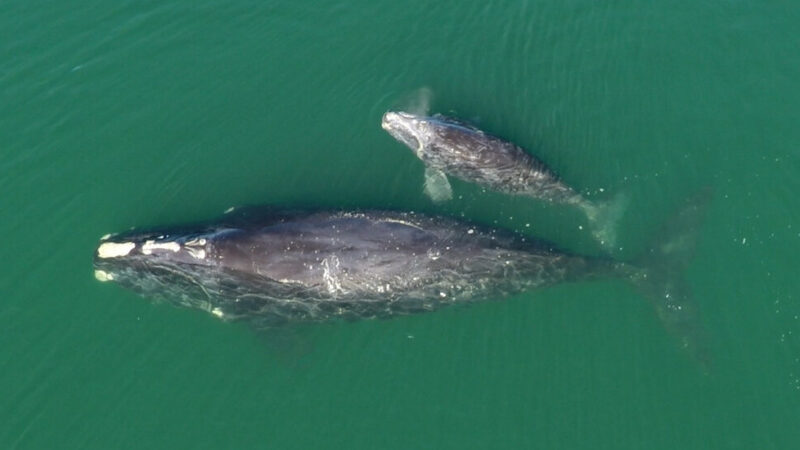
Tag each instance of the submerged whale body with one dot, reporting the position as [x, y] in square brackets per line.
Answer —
[450, 147]
[288, 266]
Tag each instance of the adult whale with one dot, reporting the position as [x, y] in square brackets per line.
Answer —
[450, 147]
[321, 265]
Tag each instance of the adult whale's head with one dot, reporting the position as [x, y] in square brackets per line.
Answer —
[170, 265]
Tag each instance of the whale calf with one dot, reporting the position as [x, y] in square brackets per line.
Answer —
[450, 147]
[288, 266]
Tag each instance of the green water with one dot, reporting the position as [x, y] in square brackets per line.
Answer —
[143, 113]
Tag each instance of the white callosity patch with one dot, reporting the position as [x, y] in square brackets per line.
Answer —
[196, 242]
[102, 275]
[196, 253]
[149, 246]
[194, 248]
[217, 312]
[114, 249]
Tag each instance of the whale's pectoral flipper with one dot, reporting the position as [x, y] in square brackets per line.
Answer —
[437, 187]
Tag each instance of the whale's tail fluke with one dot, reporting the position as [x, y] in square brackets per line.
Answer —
[603, 218]
[660, 276]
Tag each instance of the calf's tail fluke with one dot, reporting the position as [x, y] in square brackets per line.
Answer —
[660, 275]
[603, 218]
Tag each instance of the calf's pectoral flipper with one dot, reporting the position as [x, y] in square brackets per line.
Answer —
[437, 186]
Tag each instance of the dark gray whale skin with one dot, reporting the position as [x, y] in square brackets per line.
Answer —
[461, 150]
[323, 265]
[450, 147]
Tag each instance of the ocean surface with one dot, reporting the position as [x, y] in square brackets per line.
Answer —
[147, 113]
